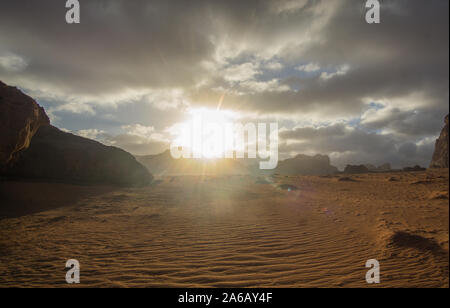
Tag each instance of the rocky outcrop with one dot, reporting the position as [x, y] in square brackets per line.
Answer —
[440, 156]
[414, 169]
[306, 165]
[58, 156]
[355, 169]
[20, 118]
[31, 148]
[382, 168]
[370, 167]
[164, 164]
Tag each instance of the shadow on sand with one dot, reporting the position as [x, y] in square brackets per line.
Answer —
[20, 198]
[406, 240]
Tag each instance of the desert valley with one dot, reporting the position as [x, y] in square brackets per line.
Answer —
[224, 152]
[153, 221]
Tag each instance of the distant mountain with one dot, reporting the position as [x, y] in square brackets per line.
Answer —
[382, 168]
[165, 164]
[440, 157]
[355, 169]
[415, 168]
[306, 165]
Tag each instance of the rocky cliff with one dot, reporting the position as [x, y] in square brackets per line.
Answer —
[30, 148]
[20, 118]
[58, 156]
[440, 156]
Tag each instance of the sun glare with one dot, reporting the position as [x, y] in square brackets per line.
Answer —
[197, 128]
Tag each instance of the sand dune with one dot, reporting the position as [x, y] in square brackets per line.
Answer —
[238, 231]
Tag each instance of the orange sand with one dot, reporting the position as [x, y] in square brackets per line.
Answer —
[235, 231]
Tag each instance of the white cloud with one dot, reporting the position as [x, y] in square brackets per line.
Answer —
[310, 67]
[12, 62]
[165, 99]
[340, 71]
[73, 107]
[147, 132]
[139, 130]
[288, 6]
[273, 85]
[241, 72]
[94, 134]
[273, 66]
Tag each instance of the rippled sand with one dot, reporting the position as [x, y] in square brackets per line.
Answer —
[236, 231]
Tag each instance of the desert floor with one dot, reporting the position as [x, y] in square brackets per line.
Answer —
[230, 231]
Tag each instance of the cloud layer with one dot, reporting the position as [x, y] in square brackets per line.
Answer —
[336, 84]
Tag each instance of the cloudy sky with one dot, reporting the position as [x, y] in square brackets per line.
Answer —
[131, 70]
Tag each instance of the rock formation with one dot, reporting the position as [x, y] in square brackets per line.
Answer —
[20, 118]
[31, 148]
[370, 167]
[382, 168]
[414, 169]
[440, 156]
[306, 165]
[164, 164]
[354, 169]
[58, 156]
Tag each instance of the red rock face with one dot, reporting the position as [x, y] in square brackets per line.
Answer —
[306, 165]
[54, 155]
[352, 169]
[20, 118]
[440, 156]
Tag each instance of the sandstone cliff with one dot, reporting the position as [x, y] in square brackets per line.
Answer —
[440, 156]
[20, 118]
[30, 148]
[58, 156]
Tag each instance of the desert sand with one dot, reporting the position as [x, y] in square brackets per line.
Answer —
[230, 231]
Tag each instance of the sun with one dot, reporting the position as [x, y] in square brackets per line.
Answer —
[198, 132]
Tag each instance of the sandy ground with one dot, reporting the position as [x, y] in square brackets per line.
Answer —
[236, 231]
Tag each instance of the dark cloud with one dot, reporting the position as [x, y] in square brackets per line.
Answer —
[406, 53]
[147, 62]
[349, 145]
[118, 44]
[412, 123]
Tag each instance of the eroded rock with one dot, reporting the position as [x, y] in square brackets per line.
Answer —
[440, 157]
[20, 118]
